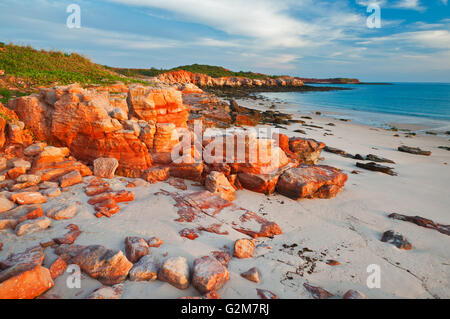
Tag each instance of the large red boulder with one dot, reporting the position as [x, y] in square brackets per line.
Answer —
[107, 266]
[311, 181]
[157, 105]
[78, 118]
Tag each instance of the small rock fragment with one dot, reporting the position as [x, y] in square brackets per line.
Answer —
[154, 242]
[244, 248]
[66, 212]
[28, 198]
[70, 179]
[318, 292]
[222, 256]
[209, 274]
[413, 150]
[57, 268]
[135, 248]
[5, 204]
[396, 239]
[34, 149]
[70, 237]
[51, 192]
[32, 226]
[372, 166]
[354, 294]
[105, 292]
[146, 269]
[251, 274]
[266, 294]
[47, 185]
[176, 272]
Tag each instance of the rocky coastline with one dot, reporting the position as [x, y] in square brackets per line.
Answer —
[142, 184]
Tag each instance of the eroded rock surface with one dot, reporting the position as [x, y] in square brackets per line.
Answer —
[107, 266]
[176, 272]
[311, 182]
[209, 274]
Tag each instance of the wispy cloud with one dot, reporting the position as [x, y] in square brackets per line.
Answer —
[430, 39]
[398, 4]
[266, 20]
[270, 23]
[409, 4]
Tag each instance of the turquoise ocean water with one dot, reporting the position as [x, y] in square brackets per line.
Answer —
[423, 104]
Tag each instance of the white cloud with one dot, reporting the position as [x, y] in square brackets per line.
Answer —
[429, 39]
[409, 4]
[398, 4]
[268, 23]
[209, 42]
[266, 20]
[271, 62]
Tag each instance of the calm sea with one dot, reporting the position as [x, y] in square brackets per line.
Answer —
[424, 104]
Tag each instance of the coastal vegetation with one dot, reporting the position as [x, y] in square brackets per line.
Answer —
[46, 67]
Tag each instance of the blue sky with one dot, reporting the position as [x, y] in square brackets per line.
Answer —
[307, 38]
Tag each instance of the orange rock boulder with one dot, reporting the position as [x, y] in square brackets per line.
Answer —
[27, 285]
[79, 119]
[107, 266]
[307, 151]
[157, 105]
[22, 276]
[311, 181]
[209, 274]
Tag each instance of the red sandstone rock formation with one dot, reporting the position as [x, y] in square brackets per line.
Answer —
[184, 77]
[157, 105]
[81, 120]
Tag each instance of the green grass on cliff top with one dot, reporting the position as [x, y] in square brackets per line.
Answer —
[41, 67]
[211, 70]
